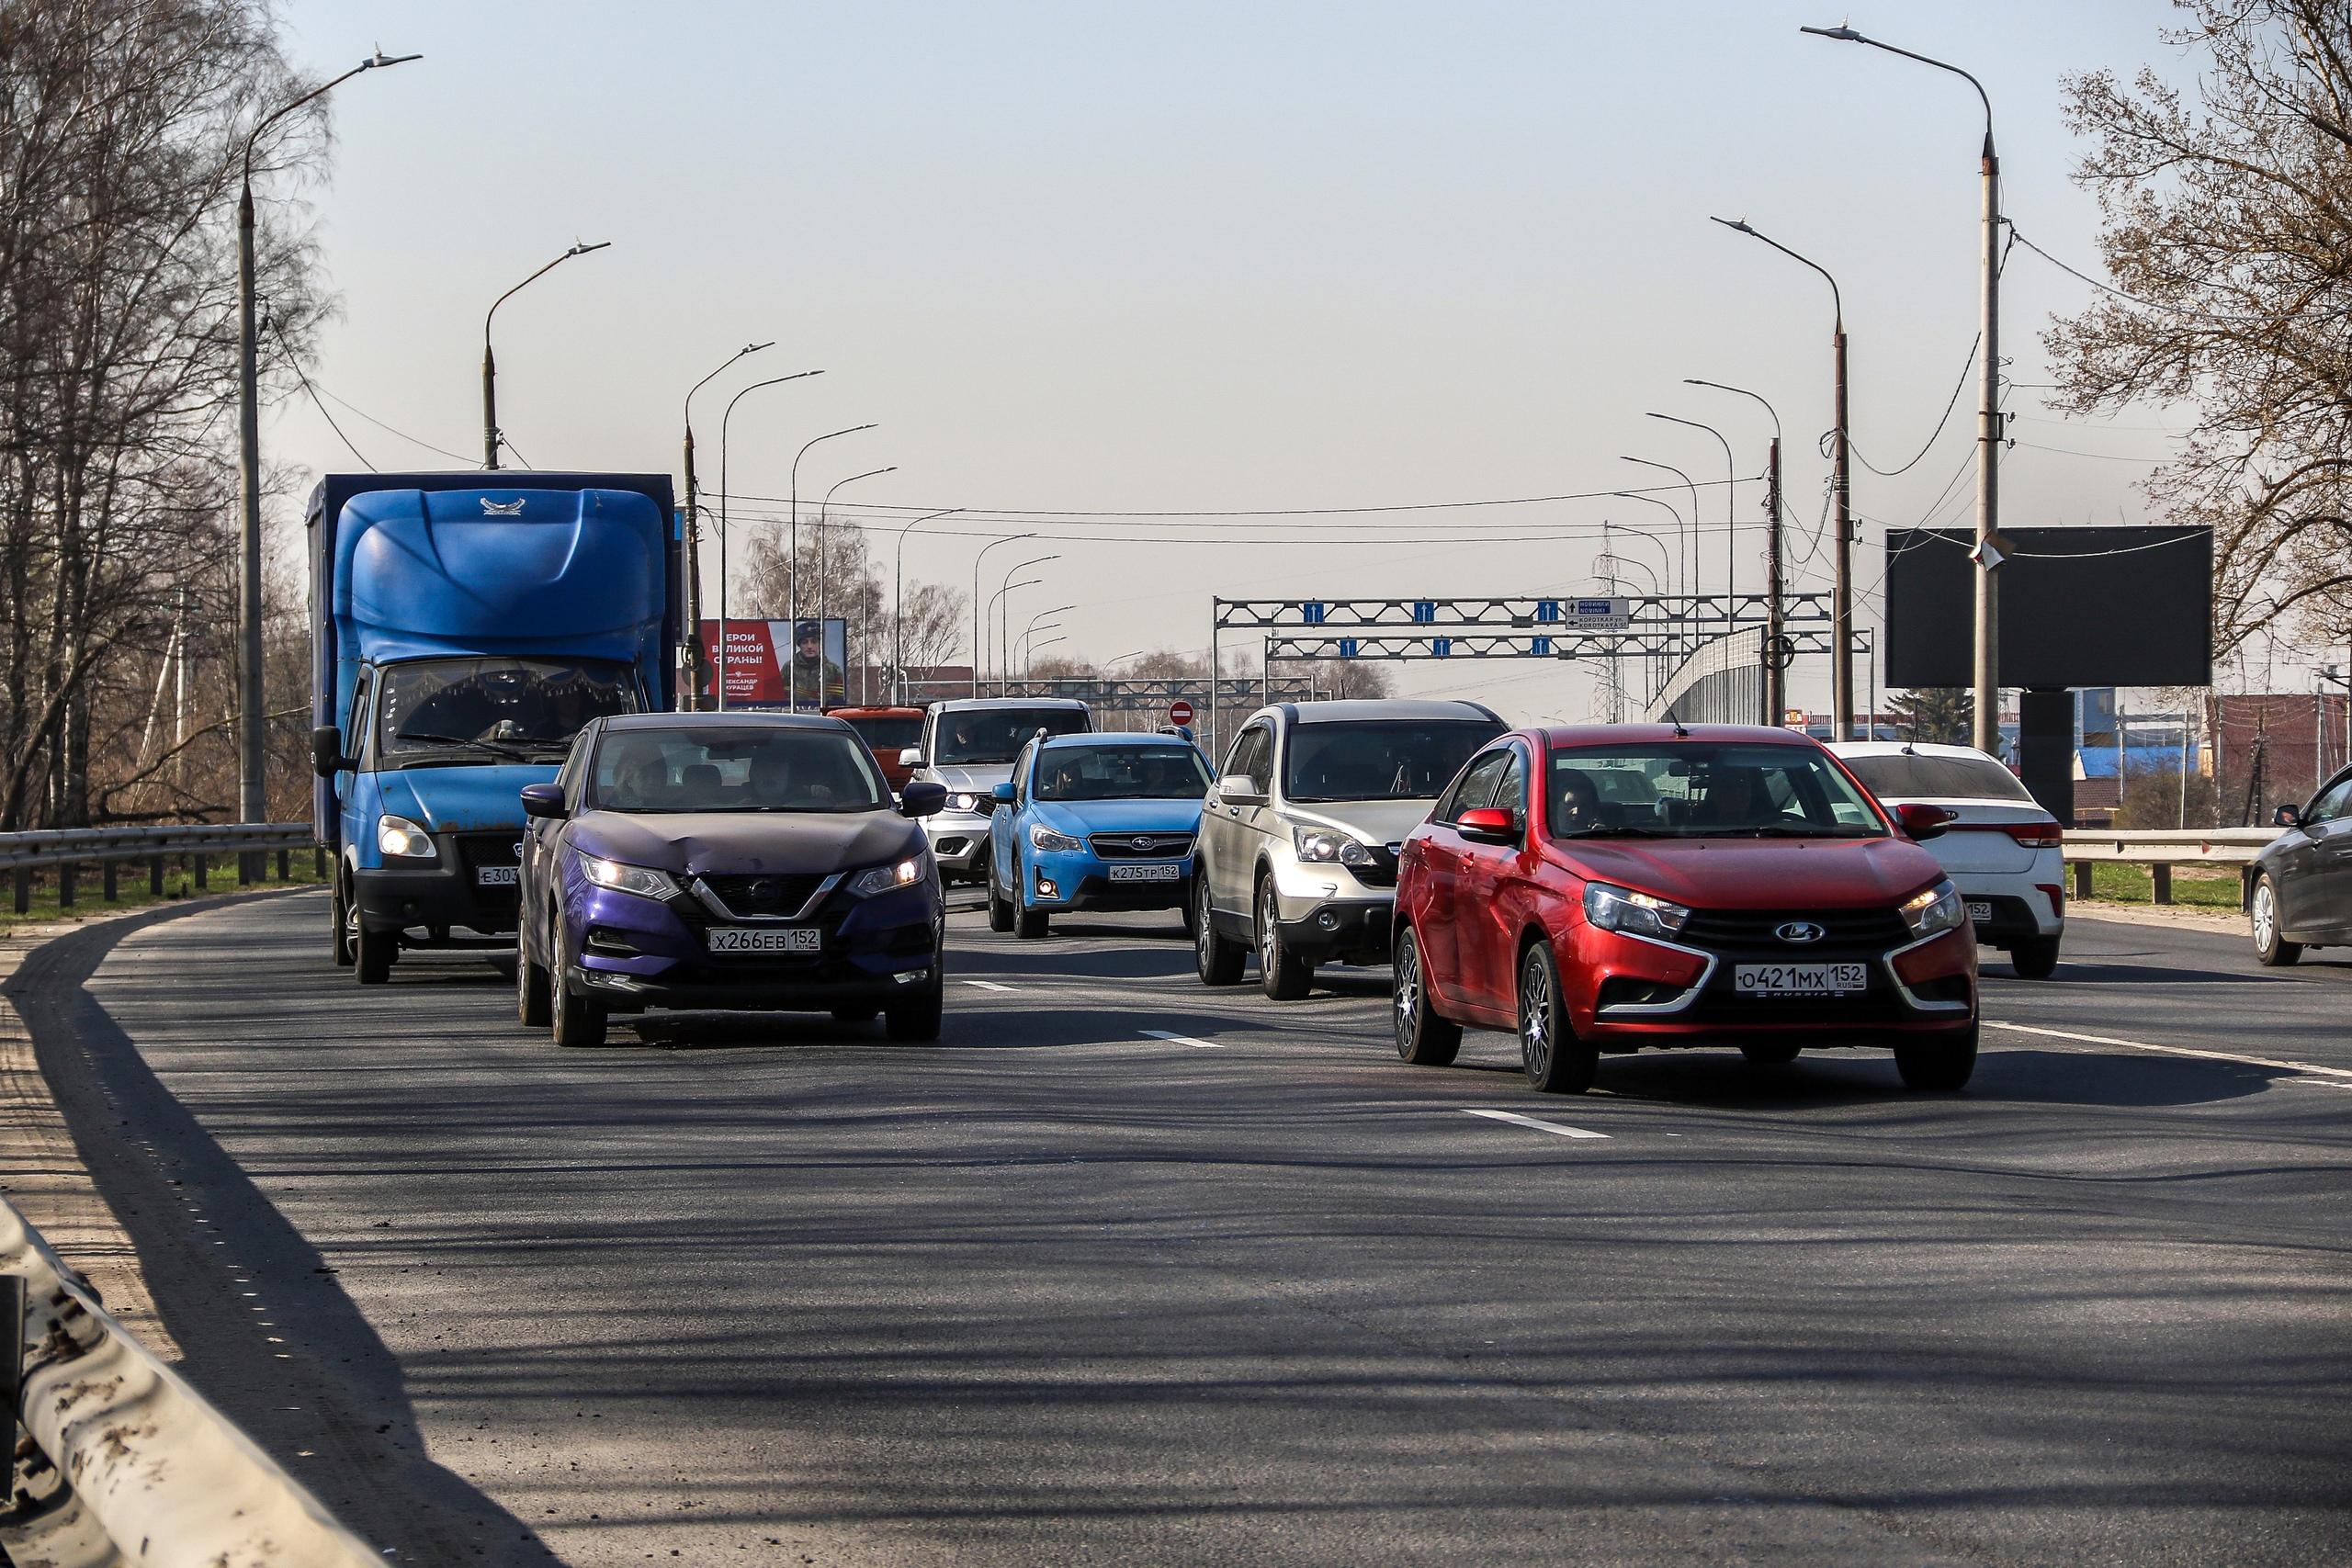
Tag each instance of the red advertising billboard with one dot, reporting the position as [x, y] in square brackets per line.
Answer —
[765, 662]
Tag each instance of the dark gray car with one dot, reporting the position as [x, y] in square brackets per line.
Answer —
[2298, 889]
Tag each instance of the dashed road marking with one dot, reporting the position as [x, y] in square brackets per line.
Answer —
[987, 986]
[1181, 1040]
[2297, 1067]
[1540, 1125]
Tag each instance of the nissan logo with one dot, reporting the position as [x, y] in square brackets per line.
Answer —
[1799, 931]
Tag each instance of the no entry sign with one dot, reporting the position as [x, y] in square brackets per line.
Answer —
[1179, 712]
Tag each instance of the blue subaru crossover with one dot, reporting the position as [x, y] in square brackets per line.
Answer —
[1094, 822]
[728, 861]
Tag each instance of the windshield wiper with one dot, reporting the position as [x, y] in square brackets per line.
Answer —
[494, 747]
[1603, 831]
[1779, 831]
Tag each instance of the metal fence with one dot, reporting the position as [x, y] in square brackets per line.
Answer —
[2160, 850]
[70, 849]
[1723, 682]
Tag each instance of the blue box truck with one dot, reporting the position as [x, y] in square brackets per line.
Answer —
[464, 627]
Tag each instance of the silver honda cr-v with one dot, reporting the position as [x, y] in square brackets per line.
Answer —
[1297, 853]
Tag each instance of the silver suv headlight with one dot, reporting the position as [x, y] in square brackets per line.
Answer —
[622, 877]
[969, 805]
[1636, 914]
[404, 840]
[1046, 841]
[1936, 910]
[889, 878]
[1330, 844]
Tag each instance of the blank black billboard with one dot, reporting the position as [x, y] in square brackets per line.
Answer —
[2078, 608]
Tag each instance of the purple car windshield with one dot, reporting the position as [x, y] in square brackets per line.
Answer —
[704, 768]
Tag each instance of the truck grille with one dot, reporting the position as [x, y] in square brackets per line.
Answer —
[1141, 846]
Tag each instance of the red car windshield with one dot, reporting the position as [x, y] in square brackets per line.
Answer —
[1705, 791]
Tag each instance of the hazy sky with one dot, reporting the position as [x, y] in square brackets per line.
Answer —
[1216, 256]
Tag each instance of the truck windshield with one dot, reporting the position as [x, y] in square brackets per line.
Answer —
[971, 736]
[1122, 773]
[1701, 790]
[458, 710]
[1383, 759]
[706, 769]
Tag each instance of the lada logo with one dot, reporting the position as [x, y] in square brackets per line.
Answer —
[1799, 931]
[500, 508]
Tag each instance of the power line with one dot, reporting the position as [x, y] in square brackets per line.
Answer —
[362, 413]
[301, 376]
[1958, 386]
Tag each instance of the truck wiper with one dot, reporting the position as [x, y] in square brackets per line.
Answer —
[490, 746]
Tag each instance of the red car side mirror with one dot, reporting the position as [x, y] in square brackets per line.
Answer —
[1923, 821]
[1488, 824]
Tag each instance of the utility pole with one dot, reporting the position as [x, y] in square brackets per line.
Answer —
[1841, 603]
[1776, 671]
[697, 664]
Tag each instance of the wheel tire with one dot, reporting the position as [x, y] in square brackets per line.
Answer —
[1940, 1067]
[532, 1004]
[342, 906]
[1029, 925]
[576, 1021]
[1769, 1055]
[916, 1019]
[1285, 974]
[2271, 949]
[2035, 960]
[1554, 1060]
[1423, 1039]
[1216, 958]
[372, 954]
[999, 909]
[1189, 913]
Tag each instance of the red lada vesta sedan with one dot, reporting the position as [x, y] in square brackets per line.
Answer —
[1606, 888]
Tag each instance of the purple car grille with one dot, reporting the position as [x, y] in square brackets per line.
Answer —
[770, 895]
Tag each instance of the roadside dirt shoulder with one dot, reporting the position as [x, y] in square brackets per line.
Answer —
[2156, 915]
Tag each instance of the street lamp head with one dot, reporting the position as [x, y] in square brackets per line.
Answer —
[1737, 225]
[380, 59]
[578, 249]
[753, 348]
[1841, 32]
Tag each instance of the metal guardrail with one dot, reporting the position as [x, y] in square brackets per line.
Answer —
[122, 1462]
[68, 848]
[2160, 849]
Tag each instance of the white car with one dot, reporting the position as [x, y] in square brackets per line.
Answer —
[2003, 851]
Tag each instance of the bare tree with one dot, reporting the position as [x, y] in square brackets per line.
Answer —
[2227, 223]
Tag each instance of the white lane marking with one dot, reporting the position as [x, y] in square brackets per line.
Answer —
[1181, 1040]
[1541, 1126]
[988, 985]
[2298, 1067]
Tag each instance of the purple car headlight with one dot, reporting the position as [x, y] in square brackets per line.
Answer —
[622, 877]
[881, 879]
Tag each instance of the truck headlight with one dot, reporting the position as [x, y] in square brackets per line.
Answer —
[622, 877]
[1937, 910]
[404, 840]
[1330, 844]
[887, 878]
[1636, 914]
[1046, 841]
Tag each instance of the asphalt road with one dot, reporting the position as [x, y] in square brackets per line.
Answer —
[1126, 1270]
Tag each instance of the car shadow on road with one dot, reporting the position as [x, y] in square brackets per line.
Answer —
[1833, 1079]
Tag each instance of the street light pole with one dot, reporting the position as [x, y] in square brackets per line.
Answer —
[979, 624]
[792, 582]
[1731, 486]
[1029, 653]
[723, 498]
[1985, 720]
[1775, 667]
[1689, 543]
[253, 753]
[899, 608]
[1661, 581]
[1004, 655]
[490, 439]
[825, 588]
[1033, 628]
[690, 546]
[1841, 607]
